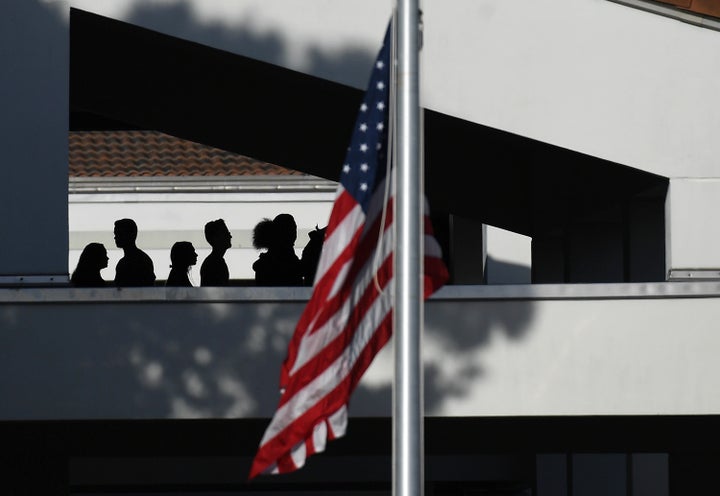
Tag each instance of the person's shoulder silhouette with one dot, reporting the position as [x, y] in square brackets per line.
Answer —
[92, 260]
[182, 257]
[135, 268]
[279, 265]
[214, 270]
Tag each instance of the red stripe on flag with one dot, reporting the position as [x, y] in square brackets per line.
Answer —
[343, 205]
[435, 275]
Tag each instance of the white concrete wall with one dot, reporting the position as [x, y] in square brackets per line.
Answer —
[693, 232]
[589, 75]
[580, 357]
[216, 352]
[509, 257]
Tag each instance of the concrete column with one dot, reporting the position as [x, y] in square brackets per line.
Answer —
[467, 250]
[646, 240]
[548, 259]
[34, 57]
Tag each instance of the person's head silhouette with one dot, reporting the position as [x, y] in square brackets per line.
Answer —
[214, 270]
[94, 256]
[263, 235]
[285, 230]
[92, 260]
[279, 233]
[183, 255]
[218, 235]
[135, 268]
[125, 233]
[279, 265]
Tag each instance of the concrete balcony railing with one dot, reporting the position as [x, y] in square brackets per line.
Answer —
[624, 349]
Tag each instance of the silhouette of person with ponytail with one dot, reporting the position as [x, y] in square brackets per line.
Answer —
[279, 265]
[92, 260]
[182, 257]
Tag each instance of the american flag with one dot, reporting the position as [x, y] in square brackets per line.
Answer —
[348, 319]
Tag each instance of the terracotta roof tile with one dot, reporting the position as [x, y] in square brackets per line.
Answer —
[151, 153]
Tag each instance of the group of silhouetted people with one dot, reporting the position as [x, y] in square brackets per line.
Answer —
[278, 265]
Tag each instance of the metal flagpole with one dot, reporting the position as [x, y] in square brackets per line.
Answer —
[408, 448]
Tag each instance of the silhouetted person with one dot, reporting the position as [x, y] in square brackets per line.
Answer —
[311, 255]
[278, 266]
[135, 268]
[92, 260]
[182, 257]
[214, 271]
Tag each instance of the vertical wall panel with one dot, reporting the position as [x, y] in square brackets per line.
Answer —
[33, 138]
[599, 475]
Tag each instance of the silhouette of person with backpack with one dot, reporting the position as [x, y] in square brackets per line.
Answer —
[92, 260]
[279, 265]
[182, 257]
[135, 268]
[214, 271]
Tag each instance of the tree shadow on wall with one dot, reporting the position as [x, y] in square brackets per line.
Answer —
[223, 361]
[350, 66]
[457, 332]
[104, 359]
[503, 272]
[184, 359]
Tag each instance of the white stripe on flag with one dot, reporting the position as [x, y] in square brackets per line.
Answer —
[299, 454]
[319, 437]
[338, 422]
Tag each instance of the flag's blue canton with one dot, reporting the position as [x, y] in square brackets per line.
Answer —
[365, 162]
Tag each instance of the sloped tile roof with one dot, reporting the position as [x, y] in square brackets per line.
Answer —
[154, 154]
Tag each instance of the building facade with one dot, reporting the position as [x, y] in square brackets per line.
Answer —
[588, 127]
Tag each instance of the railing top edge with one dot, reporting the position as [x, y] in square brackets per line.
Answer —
[699, 289]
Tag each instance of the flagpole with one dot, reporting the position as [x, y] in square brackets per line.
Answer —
[408, 479]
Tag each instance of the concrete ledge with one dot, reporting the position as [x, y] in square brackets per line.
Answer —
[700, 289]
